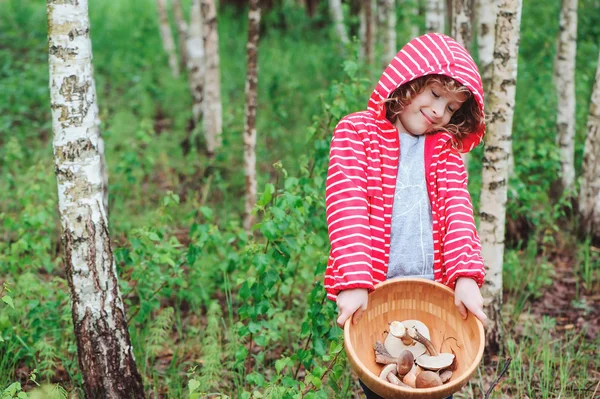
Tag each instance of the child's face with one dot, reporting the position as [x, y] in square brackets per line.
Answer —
[429, 110]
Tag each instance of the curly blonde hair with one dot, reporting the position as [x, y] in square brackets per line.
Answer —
[466, 120]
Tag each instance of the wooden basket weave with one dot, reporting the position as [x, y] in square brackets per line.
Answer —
[424, 300]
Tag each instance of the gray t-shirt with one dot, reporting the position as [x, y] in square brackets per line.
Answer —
[411, 245]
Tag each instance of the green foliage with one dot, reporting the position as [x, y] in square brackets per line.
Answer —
[246, 314]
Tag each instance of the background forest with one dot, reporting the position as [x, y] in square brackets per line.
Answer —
[215, 311]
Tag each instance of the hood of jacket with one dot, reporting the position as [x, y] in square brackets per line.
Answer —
[430, 54]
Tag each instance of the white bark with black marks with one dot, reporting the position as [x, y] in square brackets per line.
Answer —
[486, 11]
[196, 67]
[167, 36]
[564, 77]
[589, 194]
[182, 32]
[435, 15]
[250, 123]
[104, 347]
[462, 31]
[213, 111]
[495, 163]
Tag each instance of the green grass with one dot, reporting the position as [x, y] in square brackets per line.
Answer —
[253, 303]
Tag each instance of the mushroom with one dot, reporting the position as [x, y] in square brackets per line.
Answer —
[396, 381]
[382, 356]
[390, 368]
[428, 379]
[445, 376]
[411, 377]
[395, 342]
[435, 363]
[406, 362]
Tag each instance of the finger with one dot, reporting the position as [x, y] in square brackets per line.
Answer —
[480, 315]
[462, 310]
[342, 319]
[357, 315]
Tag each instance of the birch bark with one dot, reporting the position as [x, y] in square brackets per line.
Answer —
[461, 28]
[495, 163]
[337, 14]
[103, 344]
[487, 11]
[389, 42]
[435, 15]
[167, 36]
[196, 67]
[182, 32]
[564, 77]
[250, 125]
[213, 113]
[589, 194]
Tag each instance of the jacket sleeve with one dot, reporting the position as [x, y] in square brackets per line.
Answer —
[461, 245]
[350, 263]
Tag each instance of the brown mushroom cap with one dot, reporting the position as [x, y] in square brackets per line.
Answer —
[428, 379]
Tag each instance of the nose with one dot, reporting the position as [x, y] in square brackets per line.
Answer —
[438, 109]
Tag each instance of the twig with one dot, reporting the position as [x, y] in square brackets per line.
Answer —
[596, 390]
[491, 388]
[151, 296]
[329, 367]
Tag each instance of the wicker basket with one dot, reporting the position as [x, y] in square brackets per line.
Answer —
[424, 300]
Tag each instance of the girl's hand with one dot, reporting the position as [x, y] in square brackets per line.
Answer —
[351, 302]
[467, 296]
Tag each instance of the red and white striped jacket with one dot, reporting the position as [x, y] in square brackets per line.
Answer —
[361, 179]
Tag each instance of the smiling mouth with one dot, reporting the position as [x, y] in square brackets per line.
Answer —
[427, 118]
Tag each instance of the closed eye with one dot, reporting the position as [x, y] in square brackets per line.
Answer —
[435, 94]
[452, 110]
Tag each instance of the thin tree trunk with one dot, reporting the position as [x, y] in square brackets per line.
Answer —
[182, 32]
[104, 348]
[589, 194]
[435, 15]
[495, 163]
[337, 15]
[564, 77]
[213, 113]
[414, 26]
[389, 42]
[461, 28]
[250, 125]
[462, 33]
[167, 36]
[196, 67]
[487, 11]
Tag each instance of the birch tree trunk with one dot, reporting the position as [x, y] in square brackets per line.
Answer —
[435, 15]
[461, 31]
[196, 67]
[250, 124]
[167, 36]
[487, 11]
[182, 32]
[104, 348]
[337, 15]
[495, 163]
[388, 9]
[461, 28]
[213, 113]
[589, 194]
[564, 77]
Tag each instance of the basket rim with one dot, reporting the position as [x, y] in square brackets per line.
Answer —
[468, 372]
